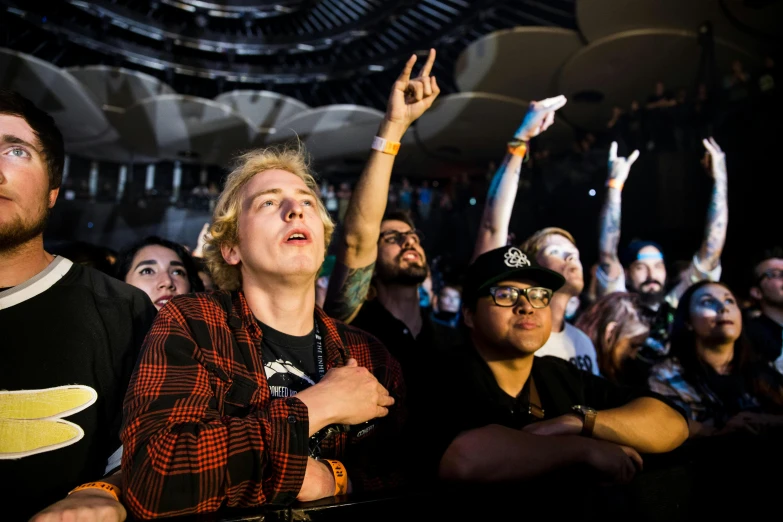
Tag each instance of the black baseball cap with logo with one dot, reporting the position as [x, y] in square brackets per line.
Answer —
[503, 263]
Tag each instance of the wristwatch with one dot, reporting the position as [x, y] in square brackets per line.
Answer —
[588, 416]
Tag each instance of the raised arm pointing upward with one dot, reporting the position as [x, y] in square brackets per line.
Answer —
[409, 99]
[503, 190]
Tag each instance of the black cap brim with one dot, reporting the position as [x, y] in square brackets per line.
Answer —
[541, 276]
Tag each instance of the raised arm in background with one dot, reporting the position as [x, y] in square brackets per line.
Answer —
[718, 211]
[503, 189]
[706, 263]
[358, 247]
[609, 233]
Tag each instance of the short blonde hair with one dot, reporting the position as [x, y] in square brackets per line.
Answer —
[533, 245]
[224, 230]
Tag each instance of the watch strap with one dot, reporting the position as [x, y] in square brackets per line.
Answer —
[588, 420]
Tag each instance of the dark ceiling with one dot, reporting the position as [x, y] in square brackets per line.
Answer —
[318, 51]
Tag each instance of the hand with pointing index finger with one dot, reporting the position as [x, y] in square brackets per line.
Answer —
[540, 116]
[410, 98]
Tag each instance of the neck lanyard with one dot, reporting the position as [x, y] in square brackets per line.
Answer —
[318, 350]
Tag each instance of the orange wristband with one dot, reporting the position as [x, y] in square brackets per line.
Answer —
[386, 146]
[615, 183]
[105, 486]
[340, 477]
[520, 150]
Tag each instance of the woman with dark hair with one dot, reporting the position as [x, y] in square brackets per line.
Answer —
[617, 331]
[713, 372]
[160, 267]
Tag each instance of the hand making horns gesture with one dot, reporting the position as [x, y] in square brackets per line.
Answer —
[410, 98]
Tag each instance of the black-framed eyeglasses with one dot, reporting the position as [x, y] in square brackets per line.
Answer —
[508, 296]
[396, 237]
[772, 273]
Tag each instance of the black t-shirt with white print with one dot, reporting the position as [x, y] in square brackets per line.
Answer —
[289, 361]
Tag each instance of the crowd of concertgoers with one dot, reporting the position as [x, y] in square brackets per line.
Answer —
[256, 370]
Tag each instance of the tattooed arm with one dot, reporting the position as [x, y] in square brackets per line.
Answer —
[609, 234]
[503, 190]
[356, 254]
[708, 256]
[347, 291]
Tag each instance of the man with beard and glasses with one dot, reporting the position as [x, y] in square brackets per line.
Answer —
[766, 330]
[70, 337]
[641, 267]
[386, 250]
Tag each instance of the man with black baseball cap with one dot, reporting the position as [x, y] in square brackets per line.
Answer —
[505, 404]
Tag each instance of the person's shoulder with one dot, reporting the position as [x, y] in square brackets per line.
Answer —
[577, 335]
[201, 305]
[102, 285]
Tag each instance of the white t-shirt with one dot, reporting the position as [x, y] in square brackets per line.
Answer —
[574, 346]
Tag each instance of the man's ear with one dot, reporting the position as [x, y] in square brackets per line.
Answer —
[53, 196]
[230, 254]
[467, 316]
[755, 293]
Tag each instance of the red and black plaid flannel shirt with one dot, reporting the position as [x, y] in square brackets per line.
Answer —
[201, 430]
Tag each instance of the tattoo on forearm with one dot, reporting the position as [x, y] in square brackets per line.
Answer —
[717, 220]
[610, 226]
[347, 290]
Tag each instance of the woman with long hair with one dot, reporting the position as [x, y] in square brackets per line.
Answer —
[713, 372]
[162, 268]
[617, 330]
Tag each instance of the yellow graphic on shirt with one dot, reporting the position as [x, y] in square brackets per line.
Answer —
[31, 420]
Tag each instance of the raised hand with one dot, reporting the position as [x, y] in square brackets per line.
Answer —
[410, 98]
[620, 167]
[714, 158]
[540, 116]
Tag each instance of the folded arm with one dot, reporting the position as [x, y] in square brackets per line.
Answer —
[645, 424]
[496, 453]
